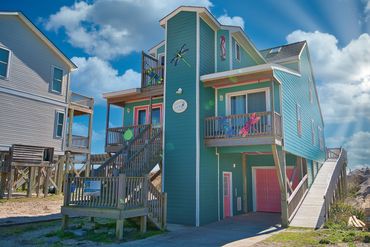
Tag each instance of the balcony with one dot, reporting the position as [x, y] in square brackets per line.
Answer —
[78, 144]
[80, 104]
[152, 72]
[227, 131]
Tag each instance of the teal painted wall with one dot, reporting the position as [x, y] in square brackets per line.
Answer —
[180, 138]
[292, 65]
[223, 65]
[295, 90]
[160, 49]
[245, 58]
[208, 158]
[128, 117]
[221, 105]
[226, 165]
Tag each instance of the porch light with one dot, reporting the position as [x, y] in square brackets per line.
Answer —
[234, 165]
[128, 110]
[179, 90]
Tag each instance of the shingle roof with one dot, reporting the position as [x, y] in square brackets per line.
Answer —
[282, 52]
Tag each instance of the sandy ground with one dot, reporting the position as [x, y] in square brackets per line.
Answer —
[21, 210]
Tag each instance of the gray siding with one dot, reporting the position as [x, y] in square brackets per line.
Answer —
[31, 60]
[28, 122]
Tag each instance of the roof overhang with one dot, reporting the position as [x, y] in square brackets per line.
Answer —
[42, 36]
[253, 74]
[127, 92]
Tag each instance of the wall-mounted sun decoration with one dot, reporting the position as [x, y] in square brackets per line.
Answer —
[180, 56]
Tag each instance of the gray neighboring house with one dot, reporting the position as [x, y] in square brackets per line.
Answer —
[34, 86]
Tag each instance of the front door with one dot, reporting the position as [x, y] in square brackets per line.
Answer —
[227, 194]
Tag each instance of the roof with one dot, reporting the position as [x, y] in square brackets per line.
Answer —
[42, 36]
[131, 91]
[214, 23]
[284, 52]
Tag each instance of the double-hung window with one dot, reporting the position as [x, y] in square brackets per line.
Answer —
[59, 124]
[321, 138]
[310, 91]
[313, 131]
[299, 120]
[4, 62]
[57, 83]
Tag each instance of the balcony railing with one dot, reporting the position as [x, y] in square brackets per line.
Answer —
[115, 135]
[81, 100]
[231, 126]
[81, 142]
[152, 72]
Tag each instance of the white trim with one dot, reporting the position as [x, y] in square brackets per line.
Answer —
[300, 53]
[144, 99]
[6, 77]
[230, 52]
[197, 134]
[164, 109]
[125, 92]
[159, 55]
[57, 112]
[246, 92]
[216, 102]
[236, 53]
[216, 49]
[53, 67]
[246, 71]
[244, 83]
[218, 185]
[155, 48]
[31, 96]
[231, 194]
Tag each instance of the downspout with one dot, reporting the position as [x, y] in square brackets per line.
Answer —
[218, 184]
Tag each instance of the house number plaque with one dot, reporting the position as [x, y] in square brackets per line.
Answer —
[179, 106]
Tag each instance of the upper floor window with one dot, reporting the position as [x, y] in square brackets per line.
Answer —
[57, 80]
[237, 51]
[321, 138]
[299, 120]
[310, 92]
[4, 62]
[59, 124]
[161, 59]
[313, 131]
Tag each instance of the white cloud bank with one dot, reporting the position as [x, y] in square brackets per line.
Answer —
[112, 28]
[232, 21]
[343, 75]
[95, 76]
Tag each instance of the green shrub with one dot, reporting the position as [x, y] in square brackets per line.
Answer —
[340, 213]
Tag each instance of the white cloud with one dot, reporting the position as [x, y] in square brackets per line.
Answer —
[95, 76]
[111, 28]
[233, 21]
[358, 149]
[343, 73]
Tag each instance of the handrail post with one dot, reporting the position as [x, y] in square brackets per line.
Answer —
[121, 191]
[66, 190]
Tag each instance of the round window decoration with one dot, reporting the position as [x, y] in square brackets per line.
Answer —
[179, 106]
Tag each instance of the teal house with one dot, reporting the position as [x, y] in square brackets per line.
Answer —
[242, 128]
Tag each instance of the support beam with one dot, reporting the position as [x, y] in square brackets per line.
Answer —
[70, 125]
[59, 173]
[10, 182]
[119, 229]
[107, 124]
[143, 223]
[65, 221]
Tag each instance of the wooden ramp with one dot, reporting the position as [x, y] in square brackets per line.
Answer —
[314, 208]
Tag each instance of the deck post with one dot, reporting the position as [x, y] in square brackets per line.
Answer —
[143, 219]
[59, 174]
[31, 177]
[38, 182]
[143, 223]
[164, 215]
[3, 184]
[119, 229]
[65, 221]
[70, 125]
[107, 124]
[10, 181]
[46, 181]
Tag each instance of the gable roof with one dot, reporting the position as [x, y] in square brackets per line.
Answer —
[215, 24]
[284, 53]
[42, 36]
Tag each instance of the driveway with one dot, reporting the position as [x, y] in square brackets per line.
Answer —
[243, 230]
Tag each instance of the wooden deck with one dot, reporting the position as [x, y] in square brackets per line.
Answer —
[326, 188]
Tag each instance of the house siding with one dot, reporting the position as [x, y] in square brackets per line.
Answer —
[28, 122]
[223, 65]
[246, 59]
[30, 65]
[295, 90]
[208, 158]
[180, 136]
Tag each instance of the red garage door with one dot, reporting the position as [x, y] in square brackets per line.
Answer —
[267, 190]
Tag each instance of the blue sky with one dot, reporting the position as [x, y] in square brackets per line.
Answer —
[105, 38]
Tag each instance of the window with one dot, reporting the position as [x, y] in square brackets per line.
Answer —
[310, 91]
[321, 138]
[237, 51]
[161, 59]
[299, 120]
[4, 62]
[59, 123]
[275, 50]
[57, 80]
[141, 117]
[313, 131]
[156, 116]
[238, 104]
[248, 102]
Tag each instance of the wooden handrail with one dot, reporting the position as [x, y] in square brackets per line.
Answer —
[297, 188]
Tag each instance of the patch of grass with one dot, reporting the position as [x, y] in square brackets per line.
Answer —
[294, 237]
[339, 215]
[33, 199]
[15, 230]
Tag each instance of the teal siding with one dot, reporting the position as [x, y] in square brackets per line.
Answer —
[180, 138]
[221, 105]
[296, 90]
[277, 97]
[245, 58]
[128, 113]
[160, 49]
[226, 165]
[293, 65]
[223, 65]
[208, 158]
